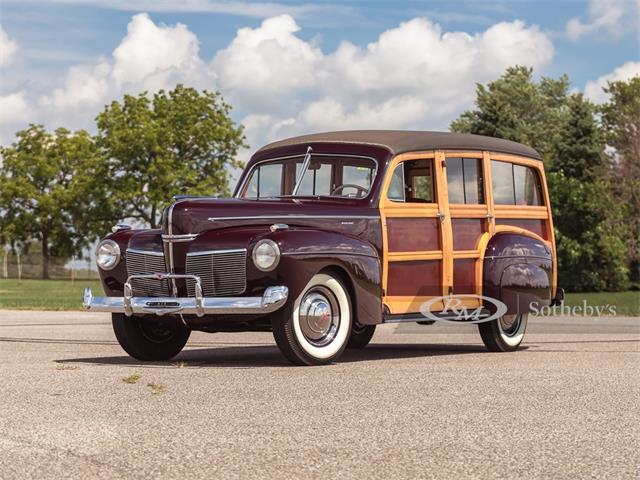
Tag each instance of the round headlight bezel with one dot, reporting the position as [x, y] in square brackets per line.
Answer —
[115, 253]
[274, 247]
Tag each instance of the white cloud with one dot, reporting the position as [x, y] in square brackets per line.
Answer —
[412, 76]
[15, 108]
[8, 48]
[149, 50]
[239, 8]
[594, 89]
[614, 17]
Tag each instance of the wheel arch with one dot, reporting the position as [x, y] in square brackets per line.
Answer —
[516, 267]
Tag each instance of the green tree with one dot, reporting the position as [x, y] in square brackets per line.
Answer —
[563, 128]
[588, 219]
[621, 121]
[515, 107]
[176, 142]
[46, 184]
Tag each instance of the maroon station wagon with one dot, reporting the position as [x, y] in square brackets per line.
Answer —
[329, 235]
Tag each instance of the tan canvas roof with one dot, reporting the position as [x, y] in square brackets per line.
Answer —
[401, 141]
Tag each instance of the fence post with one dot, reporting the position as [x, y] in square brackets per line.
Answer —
[19, 267]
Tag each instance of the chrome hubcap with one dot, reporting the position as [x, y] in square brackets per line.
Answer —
[510, 324]
[319, 316]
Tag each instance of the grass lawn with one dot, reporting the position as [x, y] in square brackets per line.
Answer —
[625, 303]
[45, 294]
[64, 295]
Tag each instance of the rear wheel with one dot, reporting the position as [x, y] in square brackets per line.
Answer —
[315, 329]
[504, 334]
[360, 335]
[149, 340]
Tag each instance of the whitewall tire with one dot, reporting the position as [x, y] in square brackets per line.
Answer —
[315, 329]
[504, 334]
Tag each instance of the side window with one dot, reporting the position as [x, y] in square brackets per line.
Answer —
[464, 180]
[270, 180]
[515, 184]
[502, 182]
[527, 186]
[412, 182]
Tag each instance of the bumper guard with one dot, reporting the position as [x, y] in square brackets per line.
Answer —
[271, 300]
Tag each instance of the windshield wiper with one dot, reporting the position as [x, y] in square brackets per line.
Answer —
[305, 165]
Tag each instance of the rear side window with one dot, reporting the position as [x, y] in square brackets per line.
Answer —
[412, 182]
[464, 180]
[515, 184]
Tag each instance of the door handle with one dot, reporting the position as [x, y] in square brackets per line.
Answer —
[441, 216]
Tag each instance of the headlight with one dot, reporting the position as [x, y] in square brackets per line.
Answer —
[266, 255]
[107, 254]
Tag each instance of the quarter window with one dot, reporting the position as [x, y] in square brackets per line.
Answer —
[515, 184]
[412, 182]
[464, 180]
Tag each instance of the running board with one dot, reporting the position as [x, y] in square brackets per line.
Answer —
[422, 320]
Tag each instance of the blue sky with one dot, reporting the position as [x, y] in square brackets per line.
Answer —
[300, 66]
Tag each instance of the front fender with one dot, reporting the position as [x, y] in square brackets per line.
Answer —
[305, 252]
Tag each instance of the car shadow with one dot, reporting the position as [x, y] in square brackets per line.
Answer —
[255, 356]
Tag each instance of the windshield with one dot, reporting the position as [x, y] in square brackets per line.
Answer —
[326, 175]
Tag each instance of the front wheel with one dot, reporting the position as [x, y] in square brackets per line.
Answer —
[315, 329]
[504, 334]
[360, 335]
[147, 339]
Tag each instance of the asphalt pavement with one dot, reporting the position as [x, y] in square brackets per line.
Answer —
[419, 402]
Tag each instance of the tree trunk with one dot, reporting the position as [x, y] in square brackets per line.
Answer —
[45, 255]
[153, 217]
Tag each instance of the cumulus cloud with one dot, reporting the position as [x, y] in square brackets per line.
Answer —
[8, 48]
[15, 108]
[594, 89]
[614, 17]
[412, 76]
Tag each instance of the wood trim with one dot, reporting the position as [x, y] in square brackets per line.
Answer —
[463, 153]
[521, 231]
[488, 191]
[469, 211]
[550, 231]
[521, 211]
[446, 226]
[503, 157]
[409, 256]
[466, 254]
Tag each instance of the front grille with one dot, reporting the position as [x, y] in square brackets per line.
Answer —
[221, 272]
[141, 262]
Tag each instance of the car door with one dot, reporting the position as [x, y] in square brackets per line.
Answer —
[471, 214]
[417, 264]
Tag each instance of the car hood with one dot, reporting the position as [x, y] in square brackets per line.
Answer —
[195, 216]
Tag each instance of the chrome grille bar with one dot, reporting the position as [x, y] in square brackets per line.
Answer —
[222, 272]
[141, 262]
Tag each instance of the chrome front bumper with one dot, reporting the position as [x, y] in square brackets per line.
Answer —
[271, 300]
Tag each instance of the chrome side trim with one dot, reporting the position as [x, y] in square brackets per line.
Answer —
[328, 252]
[187, 237]
[209, 252]
[145, 252]
[271, 300]
[322, 217]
